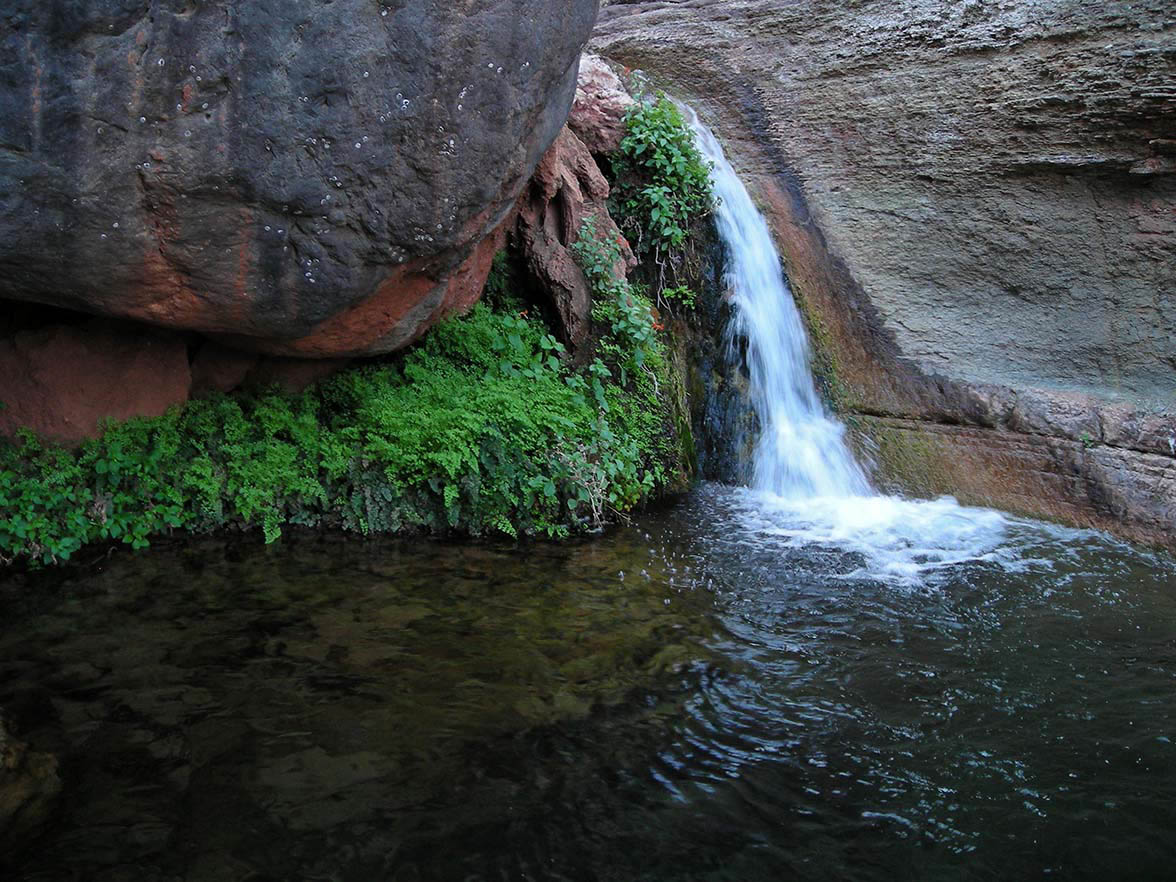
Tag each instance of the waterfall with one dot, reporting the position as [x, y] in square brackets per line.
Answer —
[807, 489]
[801, 452]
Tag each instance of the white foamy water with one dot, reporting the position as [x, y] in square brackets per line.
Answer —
[900, 541]
[807, 488]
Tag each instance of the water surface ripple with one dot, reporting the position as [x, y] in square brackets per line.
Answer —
[693, 697]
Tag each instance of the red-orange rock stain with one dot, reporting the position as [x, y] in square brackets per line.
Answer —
[163, 293]
[376, 317]
[363, 327]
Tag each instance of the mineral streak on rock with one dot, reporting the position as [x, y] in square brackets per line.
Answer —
[260, 170]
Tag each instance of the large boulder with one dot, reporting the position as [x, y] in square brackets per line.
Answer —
[307, 179]
[974, 202]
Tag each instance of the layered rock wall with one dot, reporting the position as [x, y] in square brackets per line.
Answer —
[977, 208]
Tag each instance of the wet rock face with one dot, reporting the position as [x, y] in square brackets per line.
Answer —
[975, 202]
[306, 179]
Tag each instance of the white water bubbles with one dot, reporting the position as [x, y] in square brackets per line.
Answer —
[901, 542]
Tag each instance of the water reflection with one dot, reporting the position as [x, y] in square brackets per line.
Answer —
[689, 698]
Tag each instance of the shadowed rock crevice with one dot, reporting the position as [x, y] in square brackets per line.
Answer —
[566, 190]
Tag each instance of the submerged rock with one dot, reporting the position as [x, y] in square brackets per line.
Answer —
[29, 786]
[303, 179]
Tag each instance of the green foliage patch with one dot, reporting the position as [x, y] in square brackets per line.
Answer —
[636, 376]
[481, 429]
[662, 183]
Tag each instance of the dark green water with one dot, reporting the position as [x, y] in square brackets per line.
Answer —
[691, 698]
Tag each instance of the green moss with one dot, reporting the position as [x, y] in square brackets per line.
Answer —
[910, 459]
[837, 393]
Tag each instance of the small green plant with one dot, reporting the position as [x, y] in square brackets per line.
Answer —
[616, 302]
[662, 182]
[680, 296]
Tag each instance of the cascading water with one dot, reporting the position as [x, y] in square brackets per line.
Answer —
[806, 487]
[801, 452]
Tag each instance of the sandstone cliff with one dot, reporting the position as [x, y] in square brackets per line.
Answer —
[977, 206]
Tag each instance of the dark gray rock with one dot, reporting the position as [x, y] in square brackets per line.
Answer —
[304, 177]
